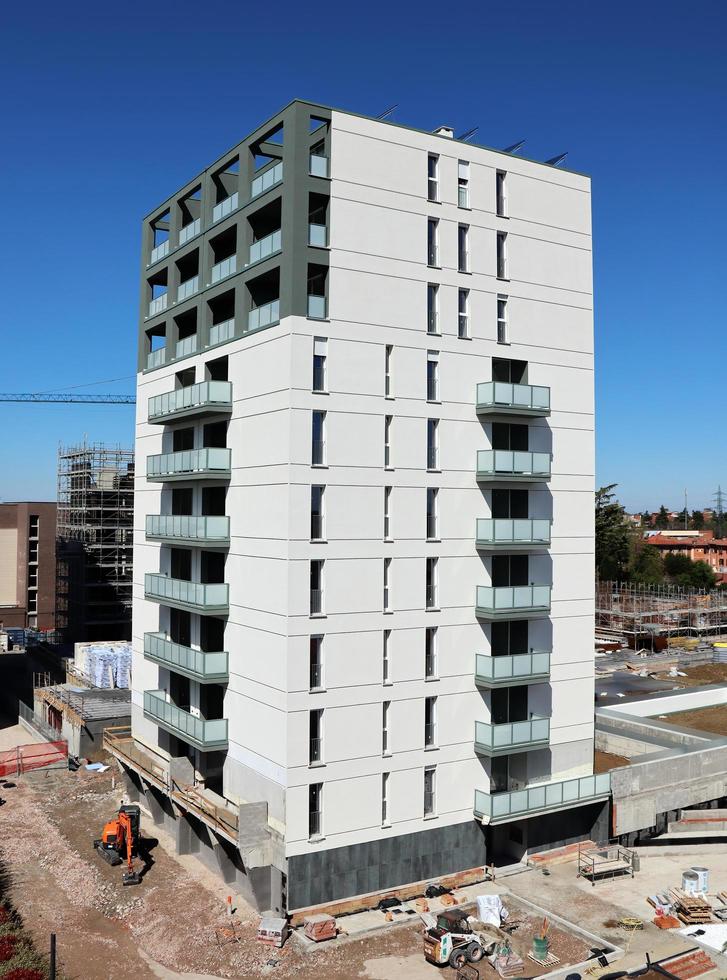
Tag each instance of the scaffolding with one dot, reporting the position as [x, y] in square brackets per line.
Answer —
[650, 616]
[94, 542]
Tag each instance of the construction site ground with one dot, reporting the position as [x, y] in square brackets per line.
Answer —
[167, 927]
[696, 676]
[712, 719]
[606, 761]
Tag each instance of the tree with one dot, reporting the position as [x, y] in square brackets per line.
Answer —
[647, 566]
[612, 535]
[683, 519]
[697, 520]
[676, 564]
[662, 518]
[701, 576]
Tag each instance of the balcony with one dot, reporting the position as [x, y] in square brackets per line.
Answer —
[207, 668]
[159, 252]
[511, 736]
[158, 305]
[318, 236]
[267, 180]
[317, 307]
[221, 332]
[511, 534]
[156, 358]
[221, 210]
[190, 464]
[187, 288]
[265, 247]
[498, 398]
[512, 670]
[208, 598]
[227, 267]
[531, 800]
[208, 736]
[512, 601]
[318, 165]
[509, 465]
[208, 532]
[186, 346]
[189, 231]
[263, 316]
[204, 398]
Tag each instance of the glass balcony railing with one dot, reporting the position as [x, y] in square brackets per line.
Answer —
[187, 288]
[267, 180]
[511, 736]
[263, 316]
[508, 464]
[208, 668]
[227, 267]
[209, 598]
[206, 397]
[221, 210]
[497, 398]
[221, 332]
[318, 165]
[158, 305]
[266, 246]
[508, 533]
[156, 358]
[317, 235]
[203, 734]
[207, 531]
[189, 463]
[190, 231]
[512, 601]
[513, 669]
[186, 346]
[159, 252]
[530, 800]
[317, 307]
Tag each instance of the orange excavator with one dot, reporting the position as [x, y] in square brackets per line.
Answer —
[120, 840]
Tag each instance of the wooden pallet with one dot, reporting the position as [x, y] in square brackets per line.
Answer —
[691, 909]
[550, 960]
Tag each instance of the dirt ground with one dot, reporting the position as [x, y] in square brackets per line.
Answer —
[606, 761]
[713, 719]
[696, 676]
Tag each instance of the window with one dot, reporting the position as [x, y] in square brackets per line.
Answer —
[502, 255]
[429, 791]
[432, 509]
[316, 587]
[320, 346]
[318, 451]
[387, 514]
[431, 583]
[432, 444]
[385, 711]
[463, 184]
[432, 376]
[430, 652]
[463, 326]
[317, 496]
[385, 799]
[315, 740]
[316, 663]
[387, 370]
[463, 248]
[433, 177]
[430, 722]
[433, 242]
[388, 421]
[432, 308]
[315, 810]
[502, 332]
[501, 193]
[387, 578]
[385, 657]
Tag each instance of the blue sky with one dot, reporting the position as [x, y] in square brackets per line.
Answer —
[110, 107]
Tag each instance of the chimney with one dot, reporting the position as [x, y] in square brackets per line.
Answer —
[444, 131]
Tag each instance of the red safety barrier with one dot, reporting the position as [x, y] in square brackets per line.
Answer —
[25, 758]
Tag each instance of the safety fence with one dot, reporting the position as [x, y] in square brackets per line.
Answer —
[25, 758]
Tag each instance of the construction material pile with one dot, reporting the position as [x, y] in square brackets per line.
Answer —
[105, 664]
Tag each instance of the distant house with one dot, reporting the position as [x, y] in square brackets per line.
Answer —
[696, 545]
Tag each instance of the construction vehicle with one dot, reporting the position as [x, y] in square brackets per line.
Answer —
[120, 841]
[452, 940]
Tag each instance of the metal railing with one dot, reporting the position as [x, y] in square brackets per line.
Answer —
[220, 332]
[317, 235]
[267, 180]
[511, 667]
[316, 676]
[186, 346]
[511, 734]
[428, 802]
[156, 358]
[318, 165]
[227, 267]
[205, 733]
[211, 462]
[158, 305]
[198, 664]
[315, 750]
[159, 252]
[432, 321]
[499, 394]
[512, 531]
[317, 307]
[182, 527]
[202, 595]
[431, 596]
[513, 463]
[548, 796]
[187, 288]
[263, 316]
[266, 246]
[221, 210]
[512, 598]
[433, 255]
[316, 602]
[190, 231]
[215, 395]
[430, 735]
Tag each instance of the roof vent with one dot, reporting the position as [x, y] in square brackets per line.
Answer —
[444, 131]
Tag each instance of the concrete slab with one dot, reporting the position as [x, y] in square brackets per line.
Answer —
[15, 735]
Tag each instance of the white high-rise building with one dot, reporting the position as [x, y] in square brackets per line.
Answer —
[363, 569]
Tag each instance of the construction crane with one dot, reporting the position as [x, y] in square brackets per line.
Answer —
[55, 397]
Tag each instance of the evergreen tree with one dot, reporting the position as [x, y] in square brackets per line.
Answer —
[662, 518]
[647, 566]
[612, 536]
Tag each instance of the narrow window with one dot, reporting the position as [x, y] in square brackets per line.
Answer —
[502, 331]
[430, 722]
[429, 791]
[388, 421]
[433, 242]
[317, 497]
[433, 177]
[431, 583]
[385, 657]
[320, 346]
[432, 444]
[387, 514]
[385, 711]
[432, 376]
[387, 578]
[385, 799]
[315, 810]
[318, 450]
[316, 663]
[387, 370]
[432, 308]
[463, 184]
[463, 248]
[316, 587]
[502, 255]
[430, 652]
[463, 326]
[501, 191]
[432, 515]
[315, 741]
